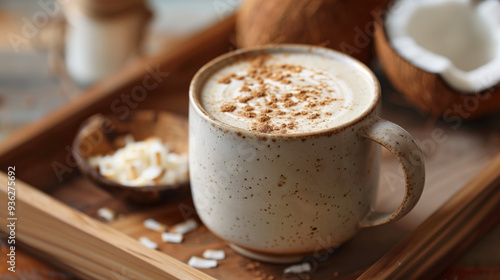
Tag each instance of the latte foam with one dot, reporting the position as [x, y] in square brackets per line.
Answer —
[287, 93]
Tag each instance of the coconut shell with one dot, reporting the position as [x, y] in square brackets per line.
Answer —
[428, 92]
[344, 25]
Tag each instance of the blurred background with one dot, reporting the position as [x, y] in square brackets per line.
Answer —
[30, 88]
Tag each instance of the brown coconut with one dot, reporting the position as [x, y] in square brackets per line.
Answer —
[345, 25]
[428, 92]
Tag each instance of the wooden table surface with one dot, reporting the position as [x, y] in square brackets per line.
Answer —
[27, 93]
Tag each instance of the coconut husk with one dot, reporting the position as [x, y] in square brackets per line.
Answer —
[344, 25]
[428, 92]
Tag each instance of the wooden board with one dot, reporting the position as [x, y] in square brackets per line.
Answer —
[92, 248]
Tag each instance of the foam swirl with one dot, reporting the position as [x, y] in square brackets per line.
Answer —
[275, 94]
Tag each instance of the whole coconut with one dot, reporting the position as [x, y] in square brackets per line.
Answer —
[345, 25]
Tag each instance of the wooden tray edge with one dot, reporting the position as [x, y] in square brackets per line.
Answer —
[84, 244]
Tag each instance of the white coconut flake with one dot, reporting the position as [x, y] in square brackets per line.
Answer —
[152, 224]
[172, 237]
[299, 268]
[214, 254]
[201, 263]
[94, 162]
[185, 227]
[143, 163]
[106, 166]
[106, 213]
[152, 172]
[129, 139]
[148, 243]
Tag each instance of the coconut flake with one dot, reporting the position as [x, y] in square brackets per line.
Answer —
[106, 213]
[185, 227]
[201, 263]
[172, 237]
[129, 139]
[94, 162]
[106, 166]
[148, 243]
[152, 224]
[214, 254]
[299, 268]
[152, 173]
[143, 163]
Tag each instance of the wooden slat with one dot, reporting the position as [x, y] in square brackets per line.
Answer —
[447, 234]
[86, 245]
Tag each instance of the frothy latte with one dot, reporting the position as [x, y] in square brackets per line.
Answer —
[287, 93]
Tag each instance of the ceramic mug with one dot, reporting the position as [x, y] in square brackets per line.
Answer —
[279, 197]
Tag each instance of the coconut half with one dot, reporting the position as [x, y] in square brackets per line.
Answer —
[342, 25]
[451, 51]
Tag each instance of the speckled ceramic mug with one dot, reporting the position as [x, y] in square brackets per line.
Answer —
[279, 197]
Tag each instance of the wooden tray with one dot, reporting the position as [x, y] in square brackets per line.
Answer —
[57, 210]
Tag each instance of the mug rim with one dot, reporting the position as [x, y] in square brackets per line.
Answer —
[223, 60]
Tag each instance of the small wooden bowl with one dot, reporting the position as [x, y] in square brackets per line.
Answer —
[102, 135]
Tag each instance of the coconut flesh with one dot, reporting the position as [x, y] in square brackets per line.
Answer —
[457, 39]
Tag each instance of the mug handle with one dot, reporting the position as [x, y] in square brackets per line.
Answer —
[399, 142]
